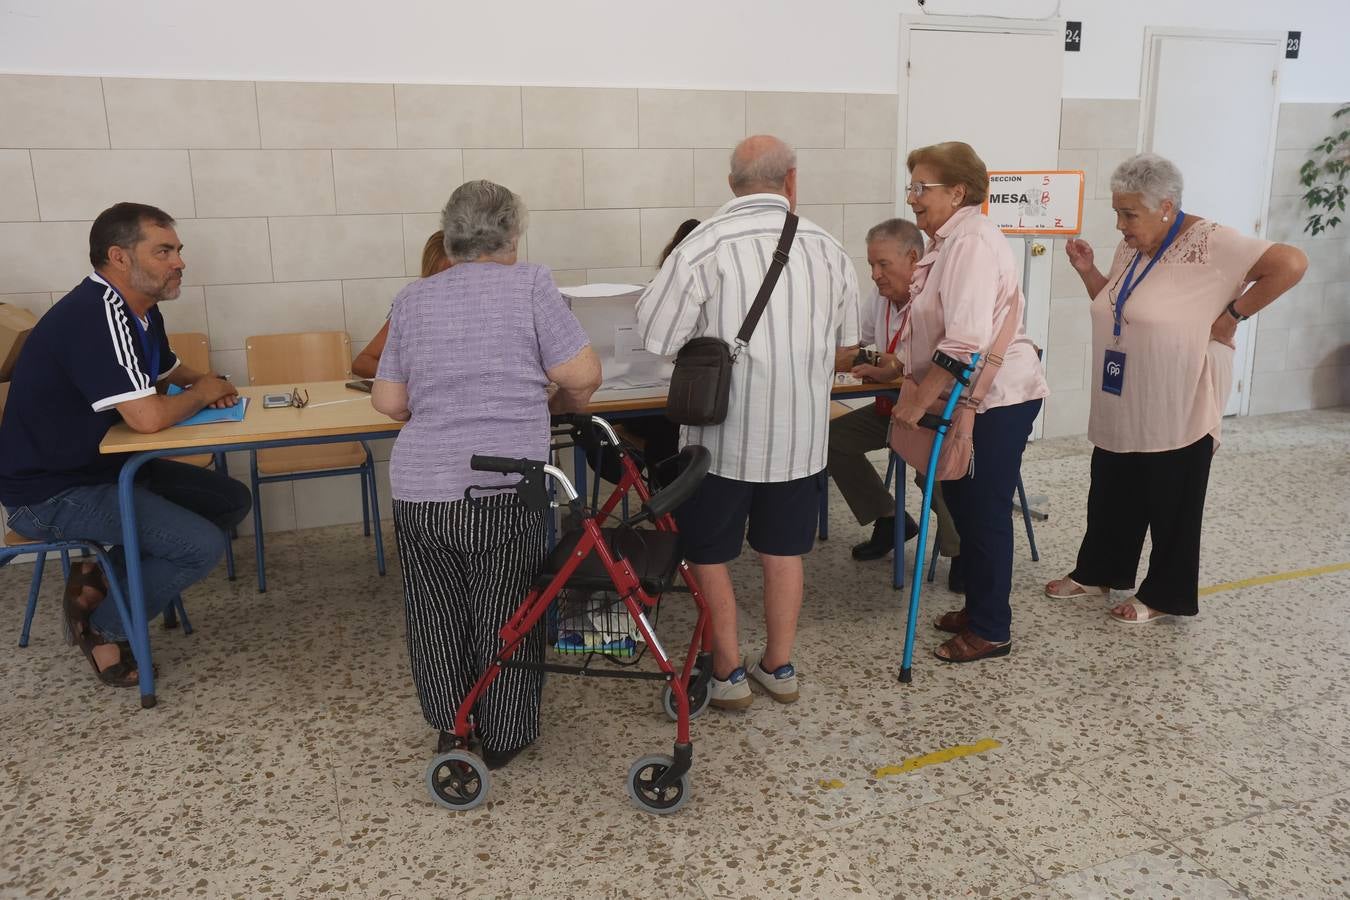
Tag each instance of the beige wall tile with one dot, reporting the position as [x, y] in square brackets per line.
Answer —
[803, 120]
[1099, 225]
[366, 303]
[1328, 260]
[864, 273]
[1064, 367]
[225, 251]
[1272, 345]
[622, 275]
[829, 216]
[50, 111]
[187, 312]
[586, 239]
[171, 114]
[636, 178]
[1336, 302]
[1300, 305]
[1107, 160]
[1085, 160]
[569, 277]
[263, 182]
[1286, 218]
[18, 196]
[455, 115]
[546, 179]
[870, 120]
[395, 181]
[277, 502]
[858, 218]
[845, 176]
[1315, 346]
[310, 248]
[238, 311]
[658, 227]
[1303, 125]
[1284, 179]
[1300, 389]
[334, 501]
[417, 228]
[580, 117]
[234, 364]
[1066, 413]
[79, 184]
[43, 256]
[690, 118]
[36, 303]
[326, 115]
[711, 168]
[1099, 123]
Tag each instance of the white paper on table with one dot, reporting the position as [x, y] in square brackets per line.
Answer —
[628, 342]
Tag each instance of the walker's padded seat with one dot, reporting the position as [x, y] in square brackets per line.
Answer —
[653, 555]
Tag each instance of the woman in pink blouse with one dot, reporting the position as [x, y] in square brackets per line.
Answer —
[964, 289]
[1163, 321]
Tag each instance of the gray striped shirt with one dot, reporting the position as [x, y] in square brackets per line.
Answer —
[777, 425]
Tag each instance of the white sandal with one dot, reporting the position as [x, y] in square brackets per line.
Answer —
[1077, 590]
[1143, 615]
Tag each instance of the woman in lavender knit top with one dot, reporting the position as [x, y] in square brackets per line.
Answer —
[470, 354]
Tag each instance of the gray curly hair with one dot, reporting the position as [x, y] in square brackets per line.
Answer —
[481, 219]
[1151, 175]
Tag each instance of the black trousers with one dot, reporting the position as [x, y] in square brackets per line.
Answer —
[1136, 493]
[981, 507]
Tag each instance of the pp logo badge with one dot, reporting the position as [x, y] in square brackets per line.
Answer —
[1113, 372]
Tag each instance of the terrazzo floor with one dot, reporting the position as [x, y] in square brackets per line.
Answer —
[1204, 758]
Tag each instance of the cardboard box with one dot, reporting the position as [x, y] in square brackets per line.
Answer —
[15, 324]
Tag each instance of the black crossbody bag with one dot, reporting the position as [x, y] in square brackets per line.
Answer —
[700, 386]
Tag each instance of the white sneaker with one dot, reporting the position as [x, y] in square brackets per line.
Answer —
[734, 693]
[781, 683]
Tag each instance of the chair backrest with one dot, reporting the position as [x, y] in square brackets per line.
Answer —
[192, 349]
[291, 358]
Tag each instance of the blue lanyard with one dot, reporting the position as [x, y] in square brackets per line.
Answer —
[1128, 286]
[150, 346]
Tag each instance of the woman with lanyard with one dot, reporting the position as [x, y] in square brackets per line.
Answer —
[1163, 321]
[894, 249]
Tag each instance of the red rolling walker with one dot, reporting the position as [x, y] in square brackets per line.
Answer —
[638, 566]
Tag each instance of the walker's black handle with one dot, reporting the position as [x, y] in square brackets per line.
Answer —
[502, 464]
[933, 421]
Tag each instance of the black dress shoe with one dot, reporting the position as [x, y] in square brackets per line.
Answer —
[956, 576]
[495, 759]
[882, 540]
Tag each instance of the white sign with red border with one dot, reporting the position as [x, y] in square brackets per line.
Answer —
[1036, 202]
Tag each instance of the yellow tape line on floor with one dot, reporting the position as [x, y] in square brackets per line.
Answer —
[937, 756]
[1272, 579]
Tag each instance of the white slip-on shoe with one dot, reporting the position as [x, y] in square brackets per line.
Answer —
[781, 683]
[734, 693]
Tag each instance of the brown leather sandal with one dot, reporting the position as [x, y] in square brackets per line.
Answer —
[969, 646]
[953, 622]
[80, 632]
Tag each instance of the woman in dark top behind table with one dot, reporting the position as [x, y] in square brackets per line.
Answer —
[470, 354]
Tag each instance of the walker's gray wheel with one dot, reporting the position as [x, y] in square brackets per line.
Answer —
[642, 791]
[458, 780]
[697, 703]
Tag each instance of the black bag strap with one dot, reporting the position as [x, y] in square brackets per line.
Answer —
[780, 258]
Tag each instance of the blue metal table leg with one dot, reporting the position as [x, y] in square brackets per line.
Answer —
[257, 521]
[1026, 519]
[375, 514]
[34, 586]
[138, 633]
[897, 466]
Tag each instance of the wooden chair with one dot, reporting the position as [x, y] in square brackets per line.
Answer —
[194, 351]
[285, 360]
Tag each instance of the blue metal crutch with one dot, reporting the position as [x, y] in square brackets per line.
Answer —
[962, 372]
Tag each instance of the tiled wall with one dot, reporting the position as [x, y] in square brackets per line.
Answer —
[1302, 341]
[305, 206]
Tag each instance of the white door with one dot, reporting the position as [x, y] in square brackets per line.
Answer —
[996, 85]
[1212, 102]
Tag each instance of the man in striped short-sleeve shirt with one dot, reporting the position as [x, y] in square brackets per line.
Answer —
[768, 457]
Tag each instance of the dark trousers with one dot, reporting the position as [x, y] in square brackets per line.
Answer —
[467, 565]
[1135, 493]
[981, 506]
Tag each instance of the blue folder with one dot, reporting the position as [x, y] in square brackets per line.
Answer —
[210, 416]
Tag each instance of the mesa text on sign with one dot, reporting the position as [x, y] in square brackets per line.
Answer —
[1036, 202]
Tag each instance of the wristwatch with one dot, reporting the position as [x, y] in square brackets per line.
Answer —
[1232, 311]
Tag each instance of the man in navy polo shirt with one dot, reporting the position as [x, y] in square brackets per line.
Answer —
[99, 355]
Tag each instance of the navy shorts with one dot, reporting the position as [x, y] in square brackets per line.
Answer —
[782, 516]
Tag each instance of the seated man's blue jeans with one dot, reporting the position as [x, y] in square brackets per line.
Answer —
[182, 513]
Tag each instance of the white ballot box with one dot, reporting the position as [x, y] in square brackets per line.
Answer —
[608, 312]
